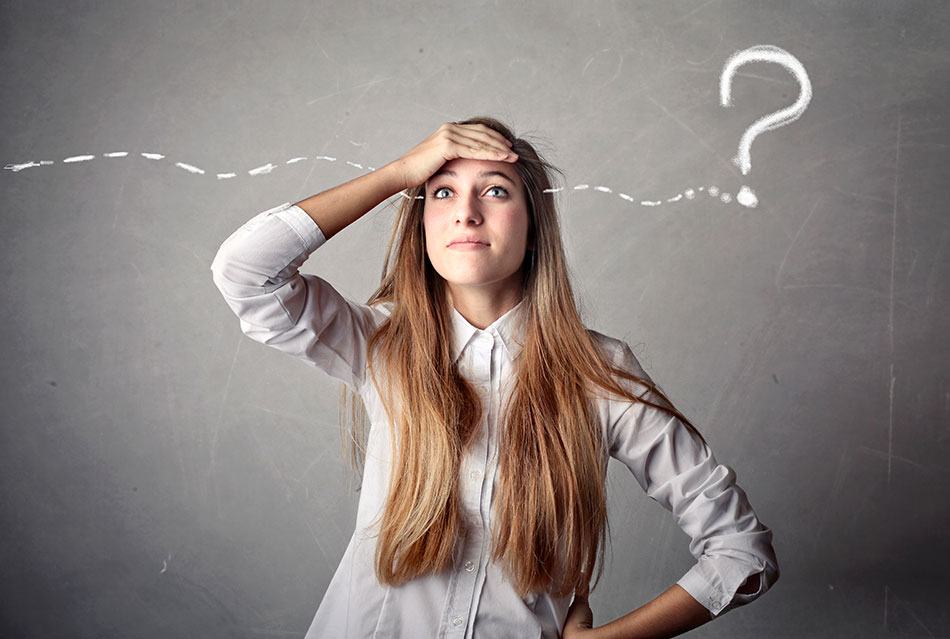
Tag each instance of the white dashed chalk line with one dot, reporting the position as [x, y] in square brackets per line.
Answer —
[745, 196]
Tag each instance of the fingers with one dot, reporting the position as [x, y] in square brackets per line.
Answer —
[451, 141]
[477, 142]
[579, 616]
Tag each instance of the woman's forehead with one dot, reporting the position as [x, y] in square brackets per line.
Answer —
[468, 168]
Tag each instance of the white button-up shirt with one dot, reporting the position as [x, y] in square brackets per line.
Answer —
[257, 271]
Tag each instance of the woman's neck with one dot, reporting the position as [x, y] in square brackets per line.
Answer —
[482, 305]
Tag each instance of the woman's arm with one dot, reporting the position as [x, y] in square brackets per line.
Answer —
[670, 614]
[736, 562]
[337, 208]
[257, 267]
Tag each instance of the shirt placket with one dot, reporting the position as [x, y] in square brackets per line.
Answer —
[469, 566]
[492, 404]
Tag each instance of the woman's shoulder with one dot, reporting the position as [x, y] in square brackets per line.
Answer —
[618, 354]
[607, 342]
[612, 349]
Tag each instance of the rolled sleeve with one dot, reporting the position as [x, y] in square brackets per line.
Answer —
[679, 471]
[256, 269]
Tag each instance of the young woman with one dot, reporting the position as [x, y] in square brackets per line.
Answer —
[492, 409]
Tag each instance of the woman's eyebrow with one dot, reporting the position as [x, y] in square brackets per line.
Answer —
[500, 174]
[443, 172]
[483, 174]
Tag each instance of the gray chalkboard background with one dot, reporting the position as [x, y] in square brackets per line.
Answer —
[165, 476]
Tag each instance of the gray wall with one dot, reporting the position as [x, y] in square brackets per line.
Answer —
[163, 475]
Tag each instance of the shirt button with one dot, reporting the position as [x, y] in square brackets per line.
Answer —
[715, 605]
[469, 566]
[475, 475]
[458, 621]
[483, 390]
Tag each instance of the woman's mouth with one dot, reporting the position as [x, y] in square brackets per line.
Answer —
[467, 242]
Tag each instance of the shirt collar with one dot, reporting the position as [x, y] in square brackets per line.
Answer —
[507, 327]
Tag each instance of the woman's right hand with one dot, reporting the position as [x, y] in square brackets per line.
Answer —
[451, 141]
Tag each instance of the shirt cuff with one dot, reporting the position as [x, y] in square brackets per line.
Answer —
[304, 225]
[714, 583]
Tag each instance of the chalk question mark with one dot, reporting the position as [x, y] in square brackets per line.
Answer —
[762, 53]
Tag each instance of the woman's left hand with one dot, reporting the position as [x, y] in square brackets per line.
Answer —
[580, 618]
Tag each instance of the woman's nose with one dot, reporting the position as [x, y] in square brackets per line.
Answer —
[468, 211]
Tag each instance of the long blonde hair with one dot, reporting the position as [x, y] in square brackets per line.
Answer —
[550, 519]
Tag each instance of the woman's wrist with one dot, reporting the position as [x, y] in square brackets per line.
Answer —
[335, 209]
[395, 176]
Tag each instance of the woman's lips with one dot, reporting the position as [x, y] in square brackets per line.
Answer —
[467, 244]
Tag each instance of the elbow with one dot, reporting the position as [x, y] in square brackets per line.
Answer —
[224, 269]
[229, 289]
[758, 583]
[256, 307]
[240, 283]
[752, 585]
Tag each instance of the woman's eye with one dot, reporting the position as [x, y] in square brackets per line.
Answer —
[441, 193]
[497, 191]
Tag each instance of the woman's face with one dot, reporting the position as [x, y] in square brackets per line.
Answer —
[476, 224]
